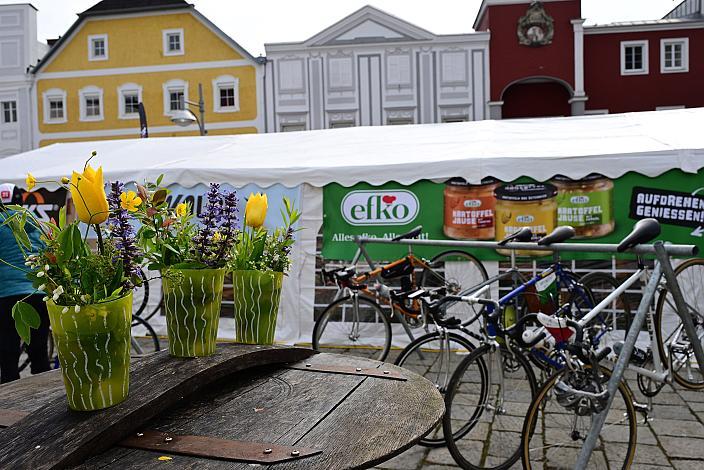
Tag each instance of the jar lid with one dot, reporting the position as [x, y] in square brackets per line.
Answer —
[463, 182]
[524, 192]
[589, 177]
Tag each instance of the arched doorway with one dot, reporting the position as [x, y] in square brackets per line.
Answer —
[536, 97]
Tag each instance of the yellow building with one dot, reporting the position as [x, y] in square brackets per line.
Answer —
[120, 53]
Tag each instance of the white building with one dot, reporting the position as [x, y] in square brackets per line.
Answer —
[19, 49]
[372, 68]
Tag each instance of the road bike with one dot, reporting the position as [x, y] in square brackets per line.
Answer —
[355, 321]
[560, 417]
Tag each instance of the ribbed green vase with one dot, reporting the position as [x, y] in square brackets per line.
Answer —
[257, 295]
[94, 352]
[192, 307]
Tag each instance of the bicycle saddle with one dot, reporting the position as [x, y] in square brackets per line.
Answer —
[559, 235]
[523, 235]
[412, 234]
[643, 231]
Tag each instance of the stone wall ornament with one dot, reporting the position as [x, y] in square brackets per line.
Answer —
[536, 27]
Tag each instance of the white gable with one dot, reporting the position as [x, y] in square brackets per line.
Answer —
[369, 29]
[366, 24]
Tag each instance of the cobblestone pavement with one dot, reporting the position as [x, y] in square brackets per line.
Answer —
[673, 437]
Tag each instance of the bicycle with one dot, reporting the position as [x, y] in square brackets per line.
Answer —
[574, 395]
[351, 322]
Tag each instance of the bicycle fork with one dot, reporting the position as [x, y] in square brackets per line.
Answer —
[495, 361]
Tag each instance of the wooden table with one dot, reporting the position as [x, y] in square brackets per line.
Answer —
[282, 407]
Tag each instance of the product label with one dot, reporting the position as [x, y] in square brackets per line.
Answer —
[470, 213]
[583, 209]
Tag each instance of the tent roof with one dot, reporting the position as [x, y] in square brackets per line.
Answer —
[649, 143]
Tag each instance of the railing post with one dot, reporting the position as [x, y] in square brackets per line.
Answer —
[617, 374]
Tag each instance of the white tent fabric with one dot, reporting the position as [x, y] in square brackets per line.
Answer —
[649, 143]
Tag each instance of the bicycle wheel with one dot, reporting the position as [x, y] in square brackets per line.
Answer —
[353, 325]
[614, 321]
[459, 271]
[485, 406]
[140, 295]
[557, 424]
[674, 345]
[144, 339]
[428, 356]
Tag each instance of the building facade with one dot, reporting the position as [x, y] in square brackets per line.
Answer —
[546, 62]
[372, 68]
[19, 49]
[156, 52]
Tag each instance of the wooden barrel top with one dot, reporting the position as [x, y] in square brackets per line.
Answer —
[245, 403]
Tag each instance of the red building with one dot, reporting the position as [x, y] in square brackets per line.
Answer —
[545, 62]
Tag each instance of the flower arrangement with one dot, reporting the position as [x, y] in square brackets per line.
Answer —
[170, 238]
[88, 291]
[260, 259]
[258, 249]
[64, 267]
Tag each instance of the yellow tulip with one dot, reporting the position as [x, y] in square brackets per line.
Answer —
[130, 201]
[181, 209]
[255, 211]
[88, 193]
[31, 181]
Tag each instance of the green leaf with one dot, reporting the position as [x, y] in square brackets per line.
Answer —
[159, 179]
[159, 197]
[26, 317]
[62, 218]
[66, 245]
[171, 248]
[148, 233]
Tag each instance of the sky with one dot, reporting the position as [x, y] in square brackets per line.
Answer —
[252, 24]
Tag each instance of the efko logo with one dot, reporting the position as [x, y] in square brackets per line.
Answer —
[397, 207]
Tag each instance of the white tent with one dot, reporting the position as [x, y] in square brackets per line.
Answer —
[648, 143]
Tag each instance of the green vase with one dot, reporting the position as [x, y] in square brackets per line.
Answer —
[257, 295]
[192, 305]
[94, 352]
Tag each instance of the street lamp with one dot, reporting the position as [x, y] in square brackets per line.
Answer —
[185, 117]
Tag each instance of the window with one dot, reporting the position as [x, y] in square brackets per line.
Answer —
[93, 106]
[454, 68]
[674, 55]
[455, 119]
[54, 104]
[400, 121]
[398, 70]
[341, 73]
[9, 111]
[176, 100]
[173, 42]
[634, 58]
[56, 108]
[293, 127]
[669, 108]
[91, 103]
[129, 96]
[226, 94]
[98, 47]
[341, 124]
[175, 96]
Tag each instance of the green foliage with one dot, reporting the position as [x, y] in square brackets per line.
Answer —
[259, 250]
[25, 317]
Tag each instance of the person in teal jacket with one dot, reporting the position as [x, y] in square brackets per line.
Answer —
[14, 286]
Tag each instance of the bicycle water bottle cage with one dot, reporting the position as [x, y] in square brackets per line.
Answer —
[412, 234]
[559, 235]
[557, 327]
[643, 231]
[523, 235]
[394, 270]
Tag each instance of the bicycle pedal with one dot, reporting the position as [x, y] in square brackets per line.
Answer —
[644, 410]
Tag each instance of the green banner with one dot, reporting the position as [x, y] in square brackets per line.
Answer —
[600, 209]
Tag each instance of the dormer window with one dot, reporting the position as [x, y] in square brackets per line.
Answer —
[173, 42]
[98, 47]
